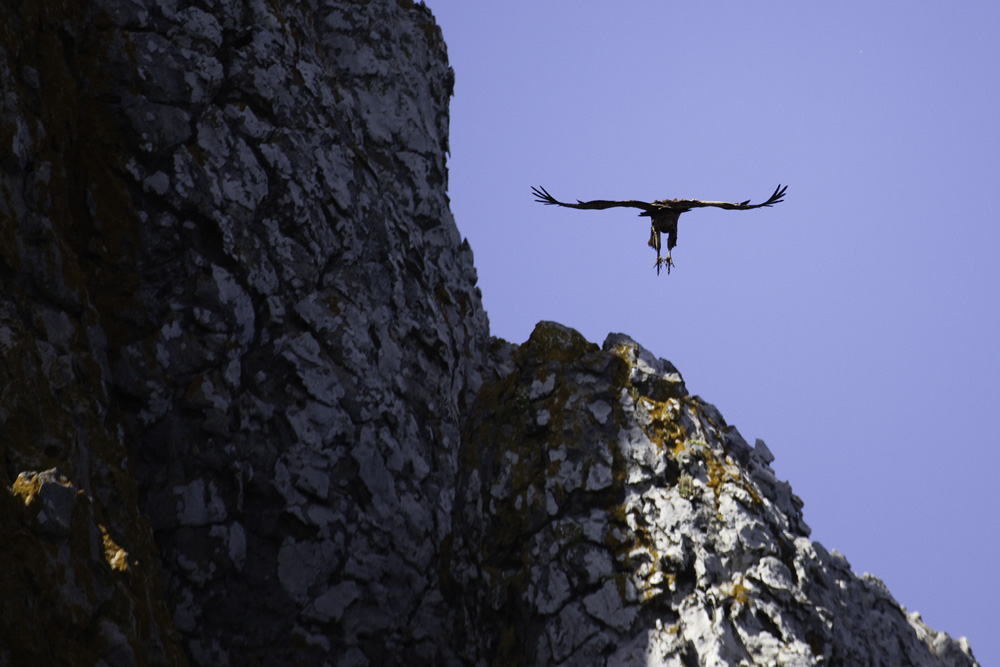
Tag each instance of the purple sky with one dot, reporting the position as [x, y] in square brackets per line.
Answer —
[853, 327]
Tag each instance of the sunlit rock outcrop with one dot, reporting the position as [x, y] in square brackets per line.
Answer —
[605, 516]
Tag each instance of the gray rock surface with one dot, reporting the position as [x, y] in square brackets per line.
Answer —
[251, 412]
[606, 517]
[228, 225]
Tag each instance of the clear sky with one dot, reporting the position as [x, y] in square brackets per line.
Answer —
[853, 327]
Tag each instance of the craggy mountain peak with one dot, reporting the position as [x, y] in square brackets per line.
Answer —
[606, 516]
[252, 412]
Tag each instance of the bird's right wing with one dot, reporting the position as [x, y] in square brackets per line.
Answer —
[776, 198]
[542, 195]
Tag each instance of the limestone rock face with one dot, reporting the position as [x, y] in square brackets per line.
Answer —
[233, 286]
[606, 517]
[250, 412]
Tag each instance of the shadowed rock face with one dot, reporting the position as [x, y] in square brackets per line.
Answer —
[252, 414]
[232, 285]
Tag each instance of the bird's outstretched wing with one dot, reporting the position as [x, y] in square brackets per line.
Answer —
[663, 214]
[777, 197]
[542, 195]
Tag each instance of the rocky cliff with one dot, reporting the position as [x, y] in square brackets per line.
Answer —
[251, 412]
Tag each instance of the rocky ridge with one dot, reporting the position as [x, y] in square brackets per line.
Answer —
[606, 516]
[252, 413]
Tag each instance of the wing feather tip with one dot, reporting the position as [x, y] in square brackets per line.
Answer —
[542, 195]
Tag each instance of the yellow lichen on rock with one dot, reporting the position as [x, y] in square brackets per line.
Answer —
[115, 556]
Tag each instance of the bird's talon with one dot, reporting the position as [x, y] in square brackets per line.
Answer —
[664, 261]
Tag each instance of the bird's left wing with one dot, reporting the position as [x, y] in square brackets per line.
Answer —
[776, 198]
[542, 195]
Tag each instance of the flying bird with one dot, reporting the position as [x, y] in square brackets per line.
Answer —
[663, 214]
